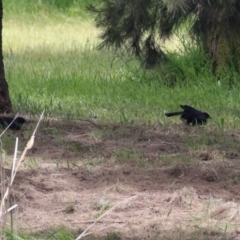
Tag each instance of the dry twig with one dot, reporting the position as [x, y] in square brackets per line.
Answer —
[85, 233]
[15, 167]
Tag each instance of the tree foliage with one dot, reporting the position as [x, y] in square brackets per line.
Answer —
[141, 26]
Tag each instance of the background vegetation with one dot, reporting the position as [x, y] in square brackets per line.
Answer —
[52, 63]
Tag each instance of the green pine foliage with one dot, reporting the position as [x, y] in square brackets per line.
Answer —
[141, 27]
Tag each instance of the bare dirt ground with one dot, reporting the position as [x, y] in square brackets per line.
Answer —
[171, 181]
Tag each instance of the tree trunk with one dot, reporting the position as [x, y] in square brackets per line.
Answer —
[5, 102]
[217, 47]
[221, 43]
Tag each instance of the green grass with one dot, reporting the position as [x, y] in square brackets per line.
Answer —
[61, 233]
[43, 9]
[80, 81]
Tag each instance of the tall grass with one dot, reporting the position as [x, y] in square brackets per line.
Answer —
[81, 82]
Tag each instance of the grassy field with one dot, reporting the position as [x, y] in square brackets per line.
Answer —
[52, 64]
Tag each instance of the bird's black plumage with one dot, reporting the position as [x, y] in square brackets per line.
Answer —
[16, 124]
[191, 115]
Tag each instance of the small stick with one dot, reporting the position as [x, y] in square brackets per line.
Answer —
[84, 233]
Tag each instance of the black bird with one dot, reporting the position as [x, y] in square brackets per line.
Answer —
[16, 124]
[191, 115]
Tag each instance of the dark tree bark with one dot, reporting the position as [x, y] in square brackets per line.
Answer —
[219, 34]
[5, 102]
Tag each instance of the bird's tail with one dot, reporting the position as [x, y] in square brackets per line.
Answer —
[173, 114]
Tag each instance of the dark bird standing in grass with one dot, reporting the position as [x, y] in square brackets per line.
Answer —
[191, 115]
[16, 124]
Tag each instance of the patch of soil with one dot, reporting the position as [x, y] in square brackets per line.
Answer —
[144, 181]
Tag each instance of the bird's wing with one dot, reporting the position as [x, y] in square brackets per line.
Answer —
[191, 110]
[186, 107]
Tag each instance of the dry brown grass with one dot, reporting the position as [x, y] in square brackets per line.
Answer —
[171, 188]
